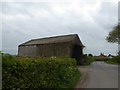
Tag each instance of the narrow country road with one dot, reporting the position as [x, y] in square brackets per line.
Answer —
[99, 75]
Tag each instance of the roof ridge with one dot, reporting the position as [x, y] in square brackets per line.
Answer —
[54, 37]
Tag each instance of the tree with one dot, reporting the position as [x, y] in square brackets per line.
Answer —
[90, 55]
[114, 35]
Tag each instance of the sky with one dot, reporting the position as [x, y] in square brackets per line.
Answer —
[92, 20]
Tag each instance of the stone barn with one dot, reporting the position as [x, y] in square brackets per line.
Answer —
[57, 46]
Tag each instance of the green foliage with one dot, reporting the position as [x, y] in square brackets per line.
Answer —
[114, 60]
[0, 55]
[113, 35]
[7, 56]
[90, 55]
[101, 59]
[39, 72]
[88, 60]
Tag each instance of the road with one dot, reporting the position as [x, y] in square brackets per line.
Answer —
[99, 75]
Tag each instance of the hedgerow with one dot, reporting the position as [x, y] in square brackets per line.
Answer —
[20, 72]
[114, 60]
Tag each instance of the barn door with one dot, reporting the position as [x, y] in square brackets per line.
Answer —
[77, 53]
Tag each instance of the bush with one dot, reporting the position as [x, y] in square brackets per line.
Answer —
[90, 55]
[39, 72]
[114, 60]
[88, 60]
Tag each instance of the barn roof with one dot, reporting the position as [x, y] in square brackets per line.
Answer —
[55, 39]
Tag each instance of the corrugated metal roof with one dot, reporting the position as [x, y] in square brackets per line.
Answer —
[55, 39]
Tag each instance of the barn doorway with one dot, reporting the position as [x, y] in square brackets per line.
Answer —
[77, 53]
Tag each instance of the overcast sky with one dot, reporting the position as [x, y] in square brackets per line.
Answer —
[92, 20]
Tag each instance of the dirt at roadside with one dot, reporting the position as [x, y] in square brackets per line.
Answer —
[84, 77]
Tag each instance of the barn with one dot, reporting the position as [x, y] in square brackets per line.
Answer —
[57, 46]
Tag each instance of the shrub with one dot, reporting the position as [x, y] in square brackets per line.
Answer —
[114, 60]
[90, 55]
[39, 72]
[88, 60]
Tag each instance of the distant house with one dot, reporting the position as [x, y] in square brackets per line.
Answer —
[102, 55]
[110, 56]
[58, 46]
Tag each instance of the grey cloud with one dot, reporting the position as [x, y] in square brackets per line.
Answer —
[21, 7]
[107, 16]
[92, 32]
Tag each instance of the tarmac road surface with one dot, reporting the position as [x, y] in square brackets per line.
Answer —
[100, 75]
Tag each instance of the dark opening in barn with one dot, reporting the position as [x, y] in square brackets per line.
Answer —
[76, 52]
[57, 46]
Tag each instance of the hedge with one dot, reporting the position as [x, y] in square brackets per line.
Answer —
[114, 60]
[88, 60]
[39, 72]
